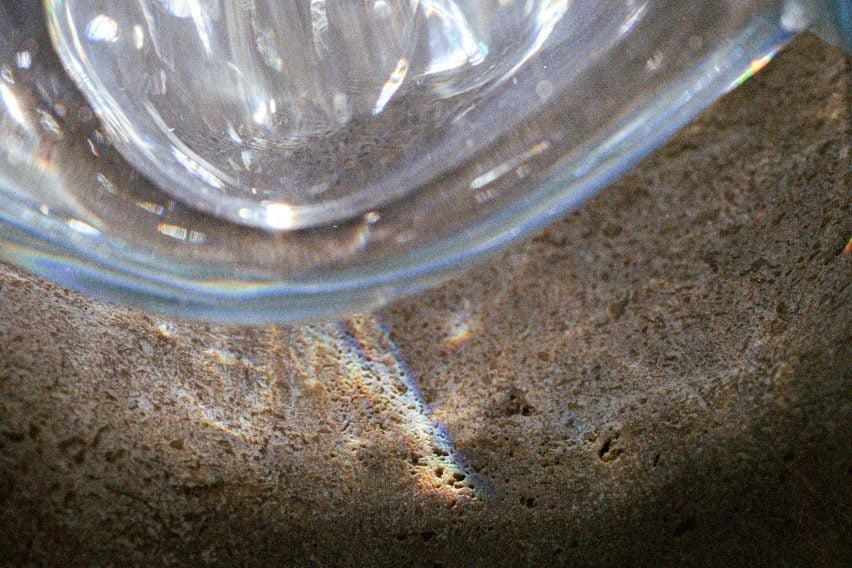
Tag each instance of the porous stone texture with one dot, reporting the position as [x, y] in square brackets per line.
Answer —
[661, 378]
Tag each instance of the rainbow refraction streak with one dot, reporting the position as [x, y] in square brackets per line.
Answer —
[323, 390]
[375, 374]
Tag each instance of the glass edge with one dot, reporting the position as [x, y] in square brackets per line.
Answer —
[372, 286]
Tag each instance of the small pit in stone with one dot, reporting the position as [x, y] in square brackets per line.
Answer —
[515, 404]
[609, 451]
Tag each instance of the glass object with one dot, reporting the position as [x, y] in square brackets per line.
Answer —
[262, 161]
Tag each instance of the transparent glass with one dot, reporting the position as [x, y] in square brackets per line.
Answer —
[263, 161]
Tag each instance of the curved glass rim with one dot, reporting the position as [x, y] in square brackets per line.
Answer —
[64, 256]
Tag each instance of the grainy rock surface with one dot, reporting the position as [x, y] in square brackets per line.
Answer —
[662, 377]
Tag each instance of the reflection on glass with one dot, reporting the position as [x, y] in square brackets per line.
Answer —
[246, 109]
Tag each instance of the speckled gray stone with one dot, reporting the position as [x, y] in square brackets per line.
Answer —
[662, 377]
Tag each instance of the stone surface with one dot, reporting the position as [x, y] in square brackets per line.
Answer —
[664, 376]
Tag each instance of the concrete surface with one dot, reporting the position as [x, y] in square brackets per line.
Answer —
[661, 378]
